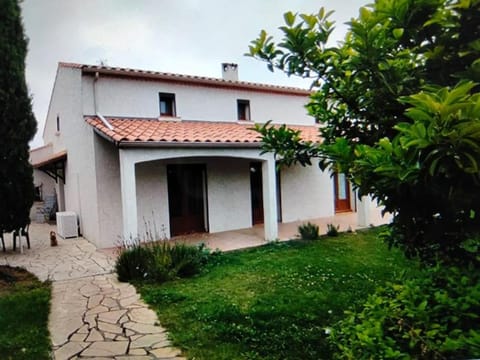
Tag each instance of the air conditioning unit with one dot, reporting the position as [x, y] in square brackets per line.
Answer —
[67, 224]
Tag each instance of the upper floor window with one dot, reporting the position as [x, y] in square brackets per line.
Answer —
[243, 109]
[167, 104]
[58, 123]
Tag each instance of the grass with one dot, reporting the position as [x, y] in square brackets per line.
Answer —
[276, 301]
[24, 308]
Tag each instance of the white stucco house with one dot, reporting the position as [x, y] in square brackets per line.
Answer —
[131, 148]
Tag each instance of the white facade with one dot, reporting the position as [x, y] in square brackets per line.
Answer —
[306, 193]
[140, 99]
[119, 193]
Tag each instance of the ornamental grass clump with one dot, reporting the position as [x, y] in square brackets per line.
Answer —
[332, 230]
[309, 231]
[160, 261]
[134, 263]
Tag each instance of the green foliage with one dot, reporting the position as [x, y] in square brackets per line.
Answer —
[433, 316]
[286, 143]
[428, 175]
[24, 309]
[160, 261]
[309, 231]
[332, 230]
[134, 263]
[275, 301]
[399, 105]
[17, 123]
[188, 260]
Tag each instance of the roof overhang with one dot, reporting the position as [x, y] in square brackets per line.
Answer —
[177, 144]
[53, 165]
[154, 133]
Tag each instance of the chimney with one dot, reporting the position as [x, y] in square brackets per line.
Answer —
[230, 72]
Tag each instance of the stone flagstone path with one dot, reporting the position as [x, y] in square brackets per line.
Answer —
[93, 315]
[99, 317]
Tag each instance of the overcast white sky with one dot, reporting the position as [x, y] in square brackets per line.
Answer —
[181, 36]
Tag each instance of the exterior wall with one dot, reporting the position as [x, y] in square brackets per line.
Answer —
[47, 183]
[375, 214]
[75, 136]
[228, 195]
[307, 193]
[152, 200]
[41, 153]
[65, 103]
[109, 194]
[140, 98]
[229, 201]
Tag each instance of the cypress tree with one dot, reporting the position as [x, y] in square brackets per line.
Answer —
[17, 122]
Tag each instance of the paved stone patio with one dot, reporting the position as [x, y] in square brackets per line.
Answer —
[93, 316]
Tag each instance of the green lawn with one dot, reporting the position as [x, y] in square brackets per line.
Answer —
[276, 301]
[24, 308]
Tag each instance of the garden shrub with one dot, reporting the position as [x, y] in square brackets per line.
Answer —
[188, 260]
[434, 316]
[133, 263]
[309, 231]
[332, 230]
[160, 261]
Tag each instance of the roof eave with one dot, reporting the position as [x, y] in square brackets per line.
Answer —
[51, 159]
[187, 79]
[178, 144]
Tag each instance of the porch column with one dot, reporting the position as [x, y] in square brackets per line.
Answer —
[129, 195]
[269, 188]
[363, 211]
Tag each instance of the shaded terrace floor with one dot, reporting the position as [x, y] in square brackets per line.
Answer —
[250, 237]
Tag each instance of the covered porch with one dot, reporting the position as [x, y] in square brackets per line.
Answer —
[254, 236]
[204, 190]
[209, 193]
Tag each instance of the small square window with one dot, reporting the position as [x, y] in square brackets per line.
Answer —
[167, 104]
[243, 109]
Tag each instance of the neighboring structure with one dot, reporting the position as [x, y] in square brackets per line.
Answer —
[48, 170]
[46, 174]
[132, 151]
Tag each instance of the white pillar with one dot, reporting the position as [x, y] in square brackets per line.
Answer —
[129, 195]
[269, 198]
[363, 211]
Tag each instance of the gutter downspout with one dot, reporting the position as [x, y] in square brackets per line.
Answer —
[100, 116]
[104, 121]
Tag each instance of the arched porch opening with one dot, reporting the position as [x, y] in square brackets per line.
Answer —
[177, 192]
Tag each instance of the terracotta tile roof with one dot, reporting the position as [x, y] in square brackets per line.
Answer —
[187, 79]
[70, 65]
[141, 131]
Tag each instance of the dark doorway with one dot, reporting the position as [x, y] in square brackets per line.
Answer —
[342, 193]
[257, 192]
[279, 196]
[186, 198]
